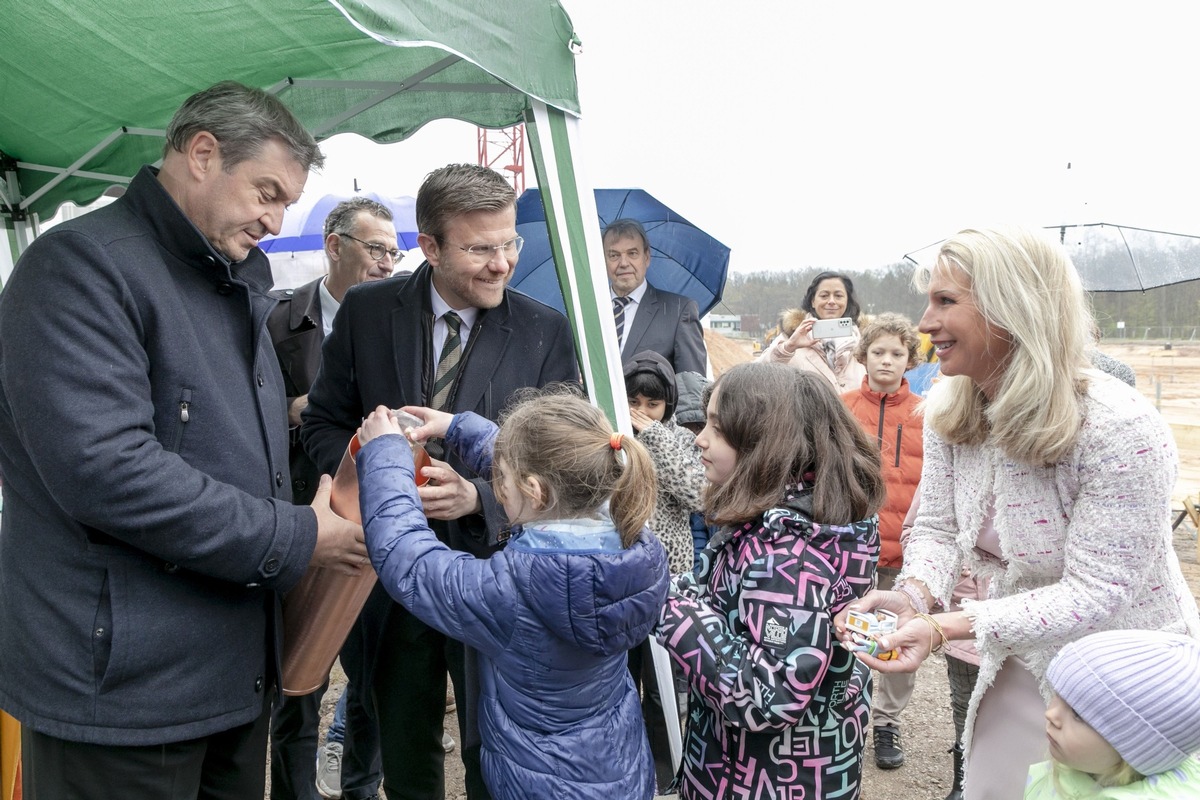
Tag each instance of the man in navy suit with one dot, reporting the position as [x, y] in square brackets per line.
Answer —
[385, 348]
[649, 318]
[360, 245]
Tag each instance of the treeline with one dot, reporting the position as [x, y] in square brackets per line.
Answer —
[764, 294]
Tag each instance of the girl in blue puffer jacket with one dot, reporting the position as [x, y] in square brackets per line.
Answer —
[553, 614]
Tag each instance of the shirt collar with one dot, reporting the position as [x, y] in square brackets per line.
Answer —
[468, 315]
[329, 307]
[635, 296]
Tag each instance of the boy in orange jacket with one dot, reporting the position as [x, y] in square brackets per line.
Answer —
[887, 410]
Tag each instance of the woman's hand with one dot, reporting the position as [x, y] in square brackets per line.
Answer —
[436, 423]
[801, 337]
[378, 423]
[913, 642]
[895, 602]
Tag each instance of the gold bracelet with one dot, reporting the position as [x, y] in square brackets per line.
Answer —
[935, 627]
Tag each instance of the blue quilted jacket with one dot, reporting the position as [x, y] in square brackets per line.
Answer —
[552, 616]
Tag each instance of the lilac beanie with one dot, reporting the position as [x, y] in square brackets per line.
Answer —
[1139, 690]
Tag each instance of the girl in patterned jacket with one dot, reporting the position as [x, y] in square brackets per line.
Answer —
[776, 709]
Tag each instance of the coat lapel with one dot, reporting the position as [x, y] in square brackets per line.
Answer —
[411, 337]
[647, 311]
[304, 312]
[485, 352]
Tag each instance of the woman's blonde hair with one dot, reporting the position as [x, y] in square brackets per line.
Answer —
[565, 442]
[1025, 284]
[788, 425]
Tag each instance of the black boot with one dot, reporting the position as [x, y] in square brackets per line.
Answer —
[956, 792]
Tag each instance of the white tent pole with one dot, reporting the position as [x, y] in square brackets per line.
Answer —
[570, 205]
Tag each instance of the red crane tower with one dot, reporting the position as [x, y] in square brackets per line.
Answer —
[508, 145]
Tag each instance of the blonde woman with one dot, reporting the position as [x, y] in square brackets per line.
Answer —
[1041, 474]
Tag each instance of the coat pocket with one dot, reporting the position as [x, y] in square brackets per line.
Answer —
[102, 633]
[182, 418]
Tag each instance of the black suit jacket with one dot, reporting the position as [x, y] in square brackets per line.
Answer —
[297, 331]
[668, 324]
[380, 353]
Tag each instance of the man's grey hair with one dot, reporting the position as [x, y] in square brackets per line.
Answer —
[242, 120]
[345, 213]
[458, 189]
[620, 228]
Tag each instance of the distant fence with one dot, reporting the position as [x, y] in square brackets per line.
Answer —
[1171, 333]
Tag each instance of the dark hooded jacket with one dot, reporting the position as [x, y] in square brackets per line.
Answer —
[552, 616]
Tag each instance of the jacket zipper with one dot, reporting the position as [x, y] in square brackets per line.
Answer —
[185, 404]
[899, 434]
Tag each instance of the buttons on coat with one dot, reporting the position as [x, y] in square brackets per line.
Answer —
[299, 485]
[258, 684]
[279, 479]
[170, 568]
[224, 288]
[271, 567]
[261, 380]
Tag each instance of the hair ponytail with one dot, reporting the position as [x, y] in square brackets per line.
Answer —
[570, 446]
[635, 492]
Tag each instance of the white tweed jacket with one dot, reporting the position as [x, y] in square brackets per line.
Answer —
[1086, 542]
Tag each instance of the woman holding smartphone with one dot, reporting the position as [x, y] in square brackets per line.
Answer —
[829, 349]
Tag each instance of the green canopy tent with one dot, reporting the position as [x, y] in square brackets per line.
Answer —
[88, 86]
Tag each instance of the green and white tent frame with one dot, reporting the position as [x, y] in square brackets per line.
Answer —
[88, 86]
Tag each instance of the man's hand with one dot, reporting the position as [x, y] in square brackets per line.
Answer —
[437, 423]
[448, 495]
[340, 543]
[639, 420]
[297, 405]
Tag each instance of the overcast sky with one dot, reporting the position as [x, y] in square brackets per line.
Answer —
[846, 134]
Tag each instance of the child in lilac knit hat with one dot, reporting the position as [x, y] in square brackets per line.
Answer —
[1124, 722]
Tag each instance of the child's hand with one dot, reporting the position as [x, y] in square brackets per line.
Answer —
[639, 420]
[378, 423]
[436, 423]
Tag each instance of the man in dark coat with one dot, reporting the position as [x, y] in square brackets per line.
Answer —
[649, 318]
[450, 335]
[360, 245]
[148, 523]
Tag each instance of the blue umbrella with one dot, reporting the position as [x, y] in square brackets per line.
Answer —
[304, 224]
[684, 259]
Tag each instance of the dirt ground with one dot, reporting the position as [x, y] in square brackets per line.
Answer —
[1169, 377]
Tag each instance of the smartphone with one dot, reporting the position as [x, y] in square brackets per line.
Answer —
[832, 328]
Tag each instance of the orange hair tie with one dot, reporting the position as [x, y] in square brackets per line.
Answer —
[614, 441]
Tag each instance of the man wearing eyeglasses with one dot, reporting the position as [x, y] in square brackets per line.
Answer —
[449, 335]
[360, 246]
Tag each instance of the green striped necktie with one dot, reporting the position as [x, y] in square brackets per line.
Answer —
[448, 364]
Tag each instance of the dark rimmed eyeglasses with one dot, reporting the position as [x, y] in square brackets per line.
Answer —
[377, 251]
